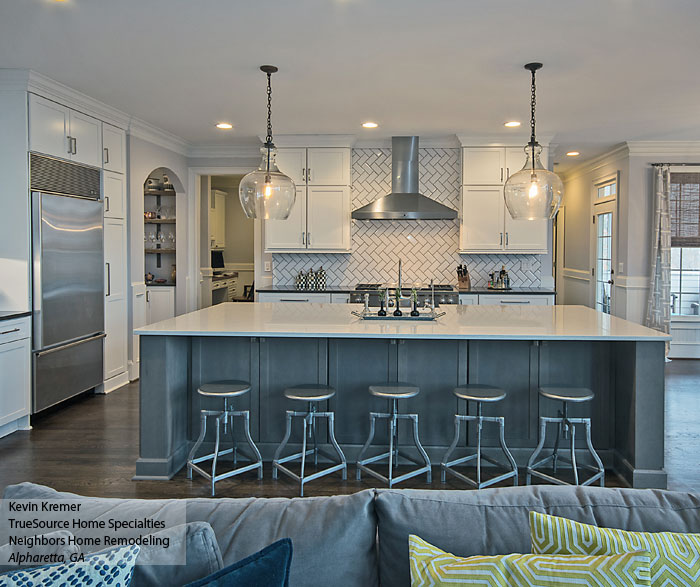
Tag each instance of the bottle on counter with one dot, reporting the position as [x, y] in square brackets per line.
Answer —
[311, 279]
[397, 295]
[414, 303]
[321, 278]
[382, 295]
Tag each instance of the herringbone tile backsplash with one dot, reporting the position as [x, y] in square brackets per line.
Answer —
[428, 248]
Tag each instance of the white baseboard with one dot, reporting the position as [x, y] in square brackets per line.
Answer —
[18, 424]
[115, 382]
[134, 370]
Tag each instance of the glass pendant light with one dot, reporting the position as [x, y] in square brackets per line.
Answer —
[533, 192]
[267, 193]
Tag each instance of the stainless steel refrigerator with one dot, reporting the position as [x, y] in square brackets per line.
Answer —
[67, 279]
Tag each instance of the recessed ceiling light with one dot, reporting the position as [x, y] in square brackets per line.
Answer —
[573, 154]
[511, 124]
[224, 125]
[370, 124]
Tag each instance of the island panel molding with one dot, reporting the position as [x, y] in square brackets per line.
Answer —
[429, 249]
[275, 346]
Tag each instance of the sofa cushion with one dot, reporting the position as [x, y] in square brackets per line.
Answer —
[495, 521]
[51, 545]
[334, 537]
[432, 566]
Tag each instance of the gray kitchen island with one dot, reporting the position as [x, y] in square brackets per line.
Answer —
[275, 345]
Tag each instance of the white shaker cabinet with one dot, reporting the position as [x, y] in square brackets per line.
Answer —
[483, 165]
[115, 346]
[62, 132]
[114, 195]
[481, 224]
[113, 148]
[320, 218]
[160, 303]
[15, 361]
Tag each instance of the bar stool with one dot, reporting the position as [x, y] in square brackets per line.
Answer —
[226, 390]
[312, 394]
[565, 425]
[479, 394]
[393, 392]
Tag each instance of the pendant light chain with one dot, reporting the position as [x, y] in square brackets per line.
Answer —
[268, 142]
[533, 103]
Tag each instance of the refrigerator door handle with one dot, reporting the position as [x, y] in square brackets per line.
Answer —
[109, 280]
[72, 344]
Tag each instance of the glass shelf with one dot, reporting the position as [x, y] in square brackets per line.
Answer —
[159, 220]
[154, 251]
[159, 193]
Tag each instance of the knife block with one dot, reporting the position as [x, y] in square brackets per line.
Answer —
[464, 283]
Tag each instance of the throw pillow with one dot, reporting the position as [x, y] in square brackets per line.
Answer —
[432, 566]
[111, 569]
[675, 558]
[52, 546]
[267, 568]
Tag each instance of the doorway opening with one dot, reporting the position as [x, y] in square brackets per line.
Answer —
[604, 244]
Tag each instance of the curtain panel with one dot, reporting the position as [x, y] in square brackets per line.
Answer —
[658, 313]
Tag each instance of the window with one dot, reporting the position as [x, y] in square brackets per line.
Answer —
[607, 191]
[685, 243]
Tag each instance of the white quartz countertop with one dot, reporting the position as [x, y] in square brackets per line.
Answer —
[459, 322]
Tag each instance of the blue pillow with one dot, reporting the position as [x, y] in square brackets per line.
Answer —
[267, 568]
[113, 568]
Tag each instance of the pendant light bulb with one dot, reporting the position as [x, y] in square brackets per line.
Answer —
[533, 192]
[267, 193]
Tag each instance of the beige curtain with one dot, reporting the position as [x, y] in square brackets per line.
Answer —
[658, 313]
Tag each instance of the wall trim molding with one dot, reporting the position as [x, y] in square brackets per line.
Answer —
[519, 139]
[678, 148]
[580, 274]
[435, 142]
[233, 151]
[313, 140]
[240, 266]
[617, 152]
[632, 281]
[148, 132]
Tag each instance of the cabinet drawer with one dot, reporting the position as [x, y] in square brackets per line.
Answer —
[514, 300]
[319, 298]
[16, 329]
[468, 299]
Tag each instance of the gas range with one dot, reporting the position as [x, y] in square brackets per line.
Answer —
[444, 294]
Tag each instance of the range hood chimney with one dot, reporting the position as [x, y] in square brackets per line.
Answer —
[404, 202]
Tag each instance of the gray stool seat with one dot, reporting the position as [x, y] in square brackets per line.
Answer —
[480, 393]
[394, 390]
[232, 388]
[563, 393]
[226, 390]
[310, 392]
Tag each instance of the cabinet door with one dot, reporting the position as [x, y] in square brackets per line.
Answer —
[113, 148]
[483, 165]
[481, 227]
[114, 195]
[328, 215]
[289, 234]
[115, 347]
[48, 127]
[220, 220]
[328, 166]
[14, 383]
[115, 258]
[468, 299]
[513, 300]
[292, 162]
[526, 235]
[86, 133]
[160, 304]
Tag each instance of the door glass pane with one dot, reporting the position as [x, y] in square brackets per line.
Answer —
[603, 269]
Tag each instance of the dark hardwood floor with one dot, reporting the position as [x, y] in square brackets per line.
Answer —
[90, 447]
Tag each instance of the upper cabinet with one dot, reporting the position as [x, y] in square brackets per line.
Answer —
[485, 223]
[113, 148]
[320, 219]
[62, 132]
[114, 196]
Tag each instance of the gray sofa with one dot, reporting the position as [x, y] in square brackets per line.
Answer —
[362, 539]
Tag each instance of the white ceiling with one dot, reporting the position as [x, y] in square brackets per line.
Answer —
[614, 69]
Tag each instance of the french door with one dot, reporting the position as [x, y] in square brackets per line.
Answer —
[604, 256]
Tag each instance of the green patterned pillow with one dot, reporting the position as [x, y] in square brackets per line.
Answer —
[432, 566]
[675, 558]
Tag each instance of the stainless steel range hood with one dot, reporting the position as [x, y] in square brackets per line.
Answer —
[404, 202]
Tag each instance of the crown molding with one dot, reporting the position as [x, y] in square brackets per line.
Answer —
[233, 151]
[617, 152]
[512, 140]
[148, 132]
[314, 140]
[674, 148]
[437, 142]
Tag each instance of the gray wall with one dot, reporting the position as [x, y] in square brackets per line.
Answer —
[239, 228]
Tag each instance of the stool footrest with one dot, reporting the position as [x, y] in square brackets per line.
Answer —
[483, 484]
[394, 480]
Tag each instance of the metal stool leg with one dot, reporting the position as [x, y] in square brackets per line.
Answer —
[216, 453]
[365, 448]
[594, 454]
[336, 446]
[195, 448]
[285, 440]
[312, 422]
[538, 450]
[303, 456]
[572, 447]
[392, 433]
[453, 446]
[479, 428]
[555, 453]
[421, 450]
[394, 412]
[509, 456]
[249, 439]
